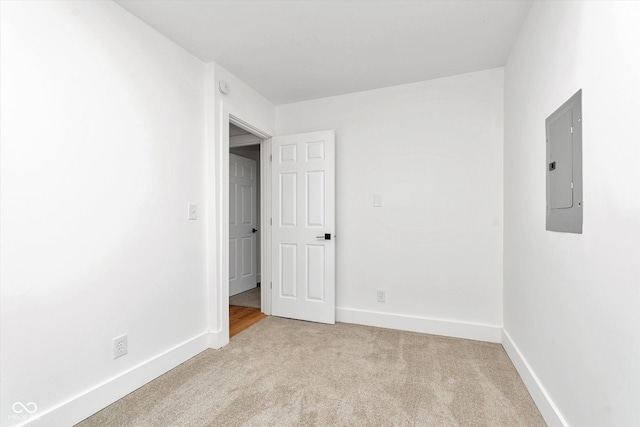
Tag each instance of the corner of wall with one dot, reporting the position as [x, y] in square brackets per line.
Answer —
[543, 401]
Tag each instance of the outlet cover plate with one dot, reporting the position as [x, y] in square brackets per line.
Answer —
[120, 346]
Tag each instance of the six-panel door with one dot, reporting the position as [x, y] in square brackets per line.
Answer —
[242, 222]
[303, 204]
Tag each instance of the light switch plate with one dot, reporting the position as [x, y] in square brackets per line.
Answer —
[193, 211]
[377, 200]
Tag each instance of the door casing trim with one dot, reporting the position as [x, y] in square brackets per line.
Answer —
[230, 115]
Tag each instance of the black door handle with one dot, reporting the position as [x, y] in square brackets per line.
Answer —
[254, 230]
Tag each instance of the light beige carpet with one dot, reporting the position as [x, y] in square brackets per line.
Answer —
[250, 298]
[283, 372]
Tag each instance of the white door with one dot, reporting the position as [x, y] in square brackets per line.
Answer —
[303, 240]
[242, 224]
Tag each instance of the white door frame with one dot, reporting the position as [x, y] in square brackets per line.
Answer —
[230, 115]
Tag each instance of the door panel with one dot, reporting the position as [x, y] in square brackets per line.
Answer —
[233, 259]
[247, 257]
[303, 203]
[242, 220]
[315, 199]
[288, 199]
[288, 271]
[248, 208]
[315, 272]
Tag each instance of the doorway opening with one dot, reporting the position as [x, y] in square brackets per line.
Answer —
[307, 293]
[246, 306]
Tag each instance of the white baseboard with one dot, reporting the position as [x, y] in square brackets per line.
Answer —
[472, 331]
[85, 404]
[547, 408]
[216, 340]
[93, 400]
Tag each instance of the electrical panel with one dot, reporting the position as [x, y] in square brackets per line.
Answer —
[564, 167]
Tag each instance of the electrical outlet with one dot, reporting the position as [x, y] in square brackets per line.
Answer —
[381, 296]
[120, 346]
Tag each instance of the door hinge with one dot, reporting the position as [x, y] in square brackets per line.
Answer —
[270, 285]
[271, 157]
[571, 129]
[270, 221]
[572, 185]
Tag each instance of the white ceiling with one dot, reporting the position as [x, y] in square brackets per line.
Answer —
[298, 50]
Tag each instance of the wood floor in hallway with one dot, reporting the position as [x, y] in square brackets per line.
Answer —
[241, 318]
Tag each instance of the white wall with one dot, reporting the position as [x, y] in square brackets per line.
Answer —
[572, 302]
[102, 146]
[244, 102]
[434, 149]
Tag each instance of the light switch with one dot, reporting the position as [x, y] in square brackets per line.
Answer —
[377, 200]
[193, 211]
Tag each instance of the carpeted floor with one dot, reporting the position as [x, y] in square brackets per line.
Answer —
[250, 298]
[284, 372]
